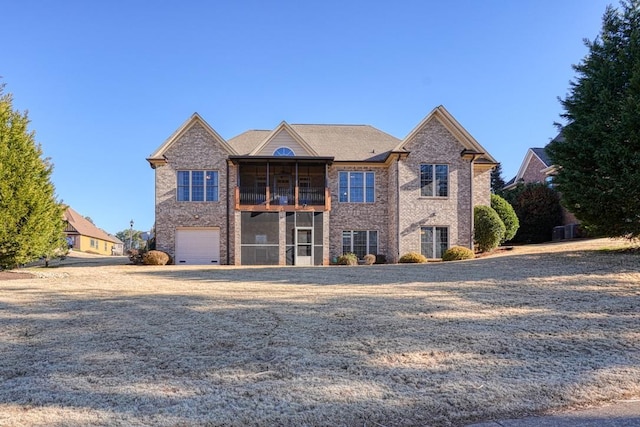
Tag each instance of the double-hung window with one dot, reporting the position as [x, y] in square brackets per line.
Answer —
[434, 180]
[434, 241]
[197, 186]
[360, 243]
[357, 187]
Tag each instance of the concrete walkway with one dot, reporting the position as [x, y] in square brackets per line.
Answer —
[625, 413]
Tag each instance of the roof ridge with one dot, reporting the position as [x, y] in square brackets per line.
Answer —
[331, 124]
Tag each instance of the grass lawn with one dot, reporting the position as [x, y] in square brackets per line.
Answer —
[539, 328]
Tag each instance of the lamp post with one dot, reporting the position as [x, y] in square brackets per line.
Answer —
[131, 235]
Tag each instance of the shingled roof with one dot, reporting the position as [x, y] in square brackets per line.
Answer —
[86, 228]
[342, 142]
[542, 155]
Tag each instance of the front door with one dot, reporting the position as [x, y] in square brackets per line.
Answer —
[304, 246]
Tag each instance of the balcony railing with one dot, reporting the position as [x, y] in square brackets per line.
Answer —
[314, 198]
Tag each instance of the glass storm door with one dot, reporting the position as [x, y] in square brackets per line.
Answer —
[304, 246]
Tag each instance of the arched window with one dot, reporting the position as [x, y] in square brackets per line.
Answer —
[284, 151]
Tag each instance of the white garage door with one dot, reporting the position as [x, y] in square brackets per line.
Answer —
[197, 246]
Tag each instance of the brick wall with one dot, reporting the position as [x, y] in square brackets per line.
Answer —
[359, 216]
[434, 144]
[196, 149]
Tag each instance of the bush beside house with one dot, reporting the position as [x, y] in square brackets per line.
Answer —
[457, 253]
[507, 215]
[412, 258]
[489, 228]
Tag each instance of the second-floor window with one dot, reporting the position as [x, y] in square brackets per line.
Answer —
[197, 186]
[357, 187]
[434, 180]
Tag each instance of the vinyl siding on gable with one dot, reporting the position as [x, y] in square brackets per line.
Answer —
[282, 139]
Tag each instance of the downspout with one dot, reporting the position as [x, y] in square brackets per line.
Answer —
[471, 222]
[398, 207]
[228, 224]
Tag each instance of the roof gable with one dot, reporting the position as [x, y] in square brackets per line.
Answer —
[158, 155]
[455, 128]
[85, 227]
[283, 136]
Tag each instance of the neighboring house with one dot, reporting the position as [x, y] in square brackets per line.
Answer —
[83, 236]
[537, 167]
[118, 246]
[305, 194]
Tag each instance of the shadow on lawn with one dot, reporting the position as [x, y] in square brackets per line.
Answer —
[512, 268]
[439, 352]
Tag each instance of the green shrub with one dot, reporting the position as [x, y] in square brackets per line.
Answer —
[369, 259]
[155, 258]
[457, 253]
[412, 257]
[507, 215]
[489, 228]
[347, 259]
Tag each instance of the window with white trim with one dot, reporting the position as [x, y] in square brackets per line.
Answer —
[434, 180]
[357, 187]
[434, 241]
[283, 151]
[360, 243]
[198, 186]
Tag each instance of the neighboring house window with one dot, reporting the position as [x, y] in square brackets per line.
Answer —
[357, 187]
[434, 180]
[283, 151]
[549, 182]
[197, 186]
[360, 243]
[434, 241]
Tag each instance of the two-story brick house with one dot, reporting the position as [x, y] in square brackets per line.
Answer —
[305, 194]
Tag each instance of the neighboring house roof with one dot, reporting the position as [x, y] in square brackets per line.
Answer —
[540, 154]
[86, 228]
[116, 240]
[342, 142]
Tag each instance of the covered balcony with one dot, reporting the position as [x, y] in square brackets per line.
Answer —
[282, 184]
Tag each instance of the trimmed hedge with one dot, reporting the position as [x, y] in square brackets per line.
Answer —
[489, 229]
[369, 259]
[412, 258]
[155, 258]
[457, 253]
[508, 216]
[347, 259]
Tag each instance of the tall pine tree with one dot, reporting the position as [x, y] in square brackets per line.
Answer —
[497, 182]
[31, 222]
[599, 160]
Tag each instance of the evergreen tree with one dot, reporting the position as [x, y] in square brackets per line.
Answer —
[497, 183]
[599, 160]
[538, 210]
[31, 221]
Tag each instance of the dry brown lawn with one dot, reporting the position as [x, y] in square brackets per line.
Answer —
[535, 329]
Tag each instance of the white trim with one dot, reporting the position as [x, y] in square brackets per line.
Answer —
[190, 122]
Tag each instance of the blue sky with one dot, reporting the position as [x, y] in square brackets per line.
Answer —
[105, 83]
